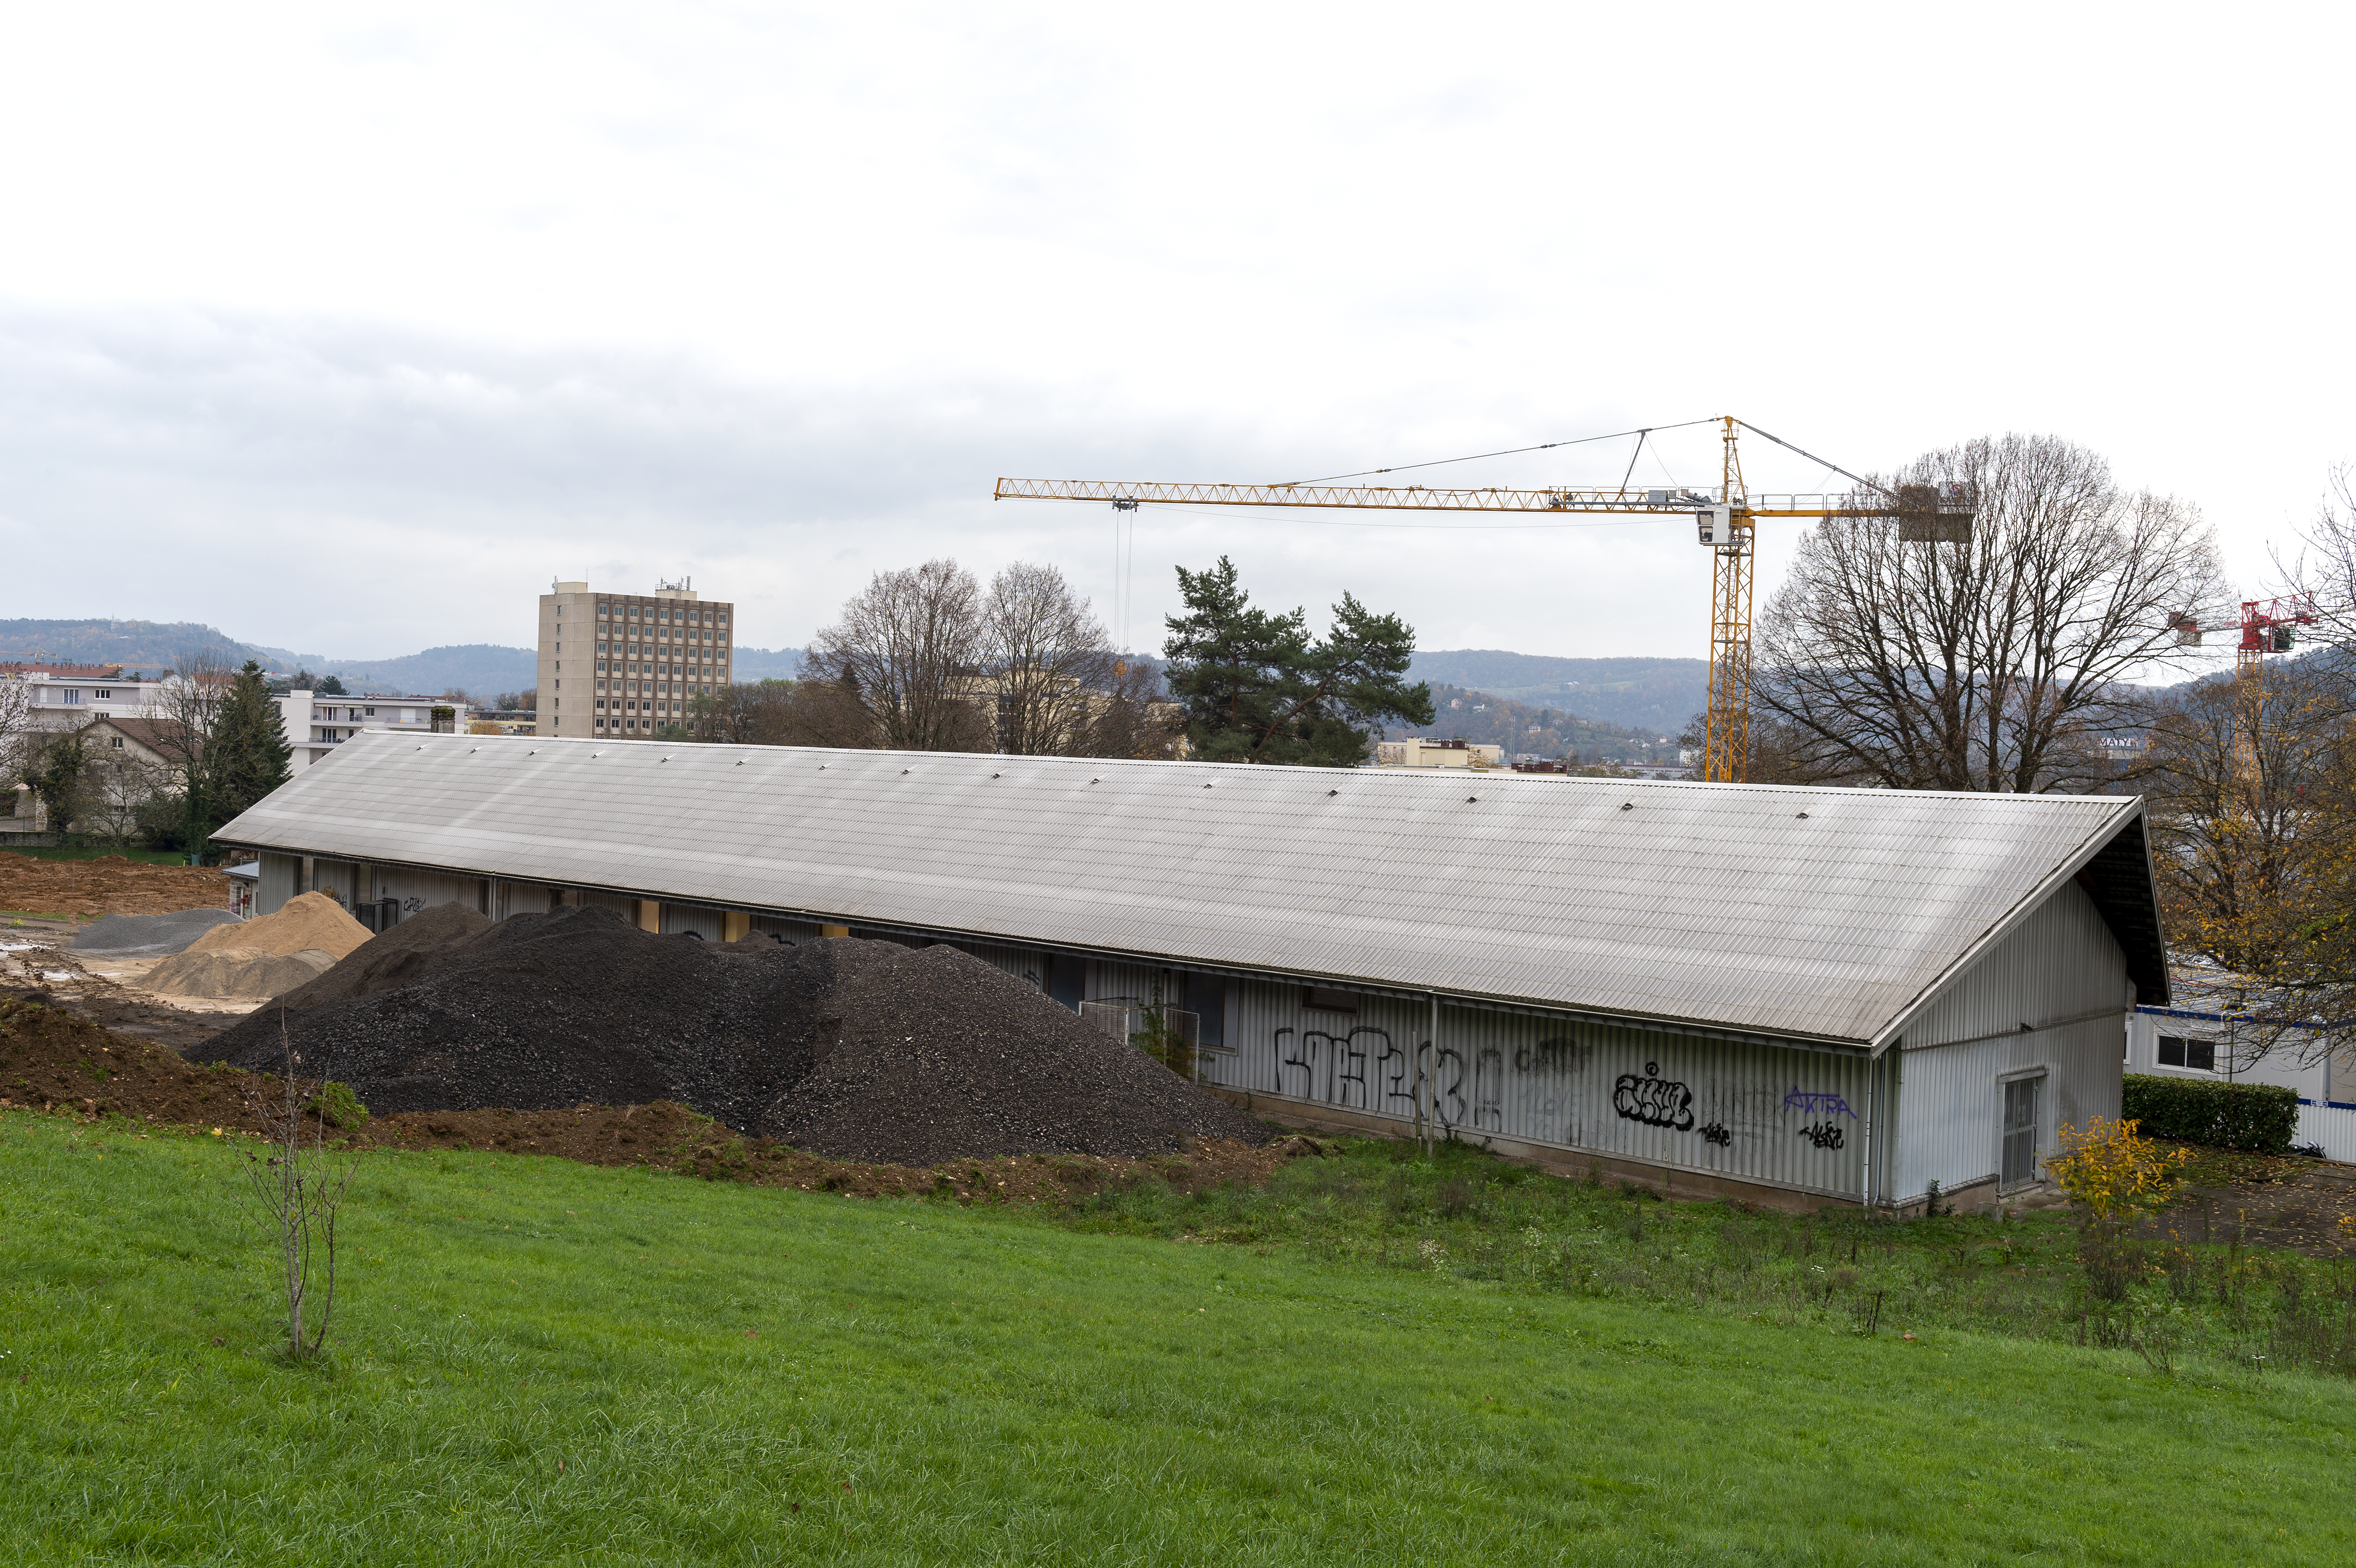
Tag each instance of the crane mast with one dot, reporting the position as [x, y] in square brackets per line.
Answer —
[1726, 520]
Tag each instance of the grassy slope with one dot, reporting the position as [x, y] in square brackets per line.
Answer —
[926, 1384]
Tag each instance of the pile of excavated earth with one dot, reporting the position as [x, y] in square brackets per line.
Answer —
[860, 1051]
[255, 960]
[110, 884]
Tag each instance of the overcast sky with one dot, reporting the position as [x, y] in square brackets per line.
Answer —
[348, 328]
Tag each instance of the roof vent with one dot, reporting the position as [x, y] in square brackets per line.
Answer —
[1627, 805]
[1804, 816]
[903, 773]
[998, 775]
[1470, 798]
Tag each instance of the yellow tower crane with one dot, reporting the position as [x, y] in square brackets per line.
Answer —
[1727, 521]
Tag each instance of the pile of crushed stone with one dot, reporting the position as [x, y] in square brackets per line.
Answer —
[308, 921]
[857, 1049]
[407, 953]
[235, 973]
[147, 936]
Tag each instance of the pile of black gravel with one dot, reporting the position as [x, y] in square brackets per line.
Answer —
[412, 949]
[851, 1049]
[932, 1053]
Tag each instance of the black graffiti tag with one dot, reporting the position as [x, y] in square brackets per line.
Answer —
[1717, 1132]
[1656, 1101]
[1825, 1135]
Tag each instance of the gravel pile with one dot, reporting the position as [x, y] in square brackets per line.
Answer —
[857, 1049]
[931, 1053]
[235, 973]
[412, 949]
[147, 936]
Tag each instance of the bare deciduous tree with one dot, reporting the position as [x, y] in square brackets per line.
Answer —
[1997, 664]
[905, 650]
[297, 1189]
[1050, 662]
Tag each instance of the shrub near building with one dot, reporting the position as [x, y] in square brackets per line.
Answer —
[2259, 1117]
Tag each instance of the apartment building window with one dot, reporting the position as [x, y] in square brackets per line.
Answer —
[371, 712]
[104, 695]
[2189, 1051]
[73, 695]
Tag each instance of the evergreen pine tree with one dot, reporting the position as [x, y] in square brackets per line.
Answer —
[248, 755]
[1257, 688]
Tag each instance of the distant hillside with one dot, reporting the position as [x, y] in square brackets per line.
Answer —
[1658, 695]
[1536, 729]
[135, 644]
[768, 664]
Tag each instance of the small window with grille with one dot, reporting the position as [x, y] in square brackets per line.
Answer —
[2021, 1131]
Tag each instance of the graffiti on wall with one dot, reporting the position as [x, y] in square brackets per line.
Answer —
[1656, 1101]
[1817, 1103]
[1825, 1135]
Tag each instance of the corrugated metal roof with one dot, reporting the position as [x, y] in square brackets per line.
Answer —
[1714, 904]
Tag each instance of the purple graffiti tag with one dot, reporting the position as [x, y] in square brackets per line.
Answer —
[1820, 1103]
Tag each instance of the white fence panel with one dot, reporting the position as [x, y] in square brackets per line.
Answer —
[2333, 1127]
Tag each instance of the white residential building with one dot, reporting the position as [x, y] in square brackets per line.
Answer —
[1413, 752]
[67, 696]
[316, 725]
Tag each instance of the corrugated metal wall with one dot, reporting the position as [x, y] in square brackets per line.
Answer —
[423, 889]
[1026, 963]
[795, 932]
[277, 883]
[521, 898]
[700, 919]
[1758, 1113]
[2060, 964]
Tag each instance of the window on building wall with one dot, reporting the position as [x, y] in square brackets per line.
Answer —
[1329, 1001]
[105, 696]
[2189, 1051]
[73, 695]
[2021, 1131]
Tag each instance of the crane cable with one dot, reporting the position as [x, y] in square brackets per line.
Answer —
[1516, 451]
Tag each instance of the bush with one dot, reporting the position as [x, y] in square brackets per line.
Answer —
[2260, 1118]
[340, 1107]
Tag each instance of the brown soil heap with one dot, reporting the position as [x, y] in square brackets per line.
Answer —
[312, 920]
[407, 953]
[108, 885]
[235, 973]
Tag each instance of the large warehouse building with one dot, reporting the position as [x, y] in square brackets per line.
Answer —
[1837, 995]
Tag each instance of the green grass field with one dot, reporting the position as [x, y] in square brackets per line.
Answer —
[546, 1362]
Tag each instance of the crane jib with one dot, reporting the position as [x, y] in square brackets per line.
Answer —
[1128, 494]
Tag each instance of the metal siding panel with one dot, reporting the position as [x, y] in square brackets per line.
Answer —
[678, 920]
[1563, 1085]
[425, 889]
[1022, 963]
[795, 932]
[1541, 891]
[2060, 963]
[276, 883]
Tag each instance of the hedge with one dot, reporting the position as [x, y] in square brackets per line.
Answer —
[2261, 1117]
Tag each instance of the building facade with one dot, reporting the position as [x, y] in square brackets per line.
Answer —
[67, 697]
[637, 661]
[1413, 752]
[1823, 994]
[316, 725]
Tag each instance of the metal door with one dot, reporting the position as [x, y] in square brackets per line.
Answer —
[2021, 1131]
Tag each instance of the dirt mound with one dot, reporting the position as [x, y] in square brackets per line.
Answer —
[55, 1059]
[937, 1054]
[235, 973]
[146, 935]
[308, 921]
[402, 957]
[108, 885]
[577, 1005]
[860, 1050]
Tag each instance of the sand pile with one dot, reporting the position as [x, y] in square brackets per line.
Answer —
[402, 957]
[147, 936]
[865, 1050]
[235, 973]
[108, 885]
[309, 920]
